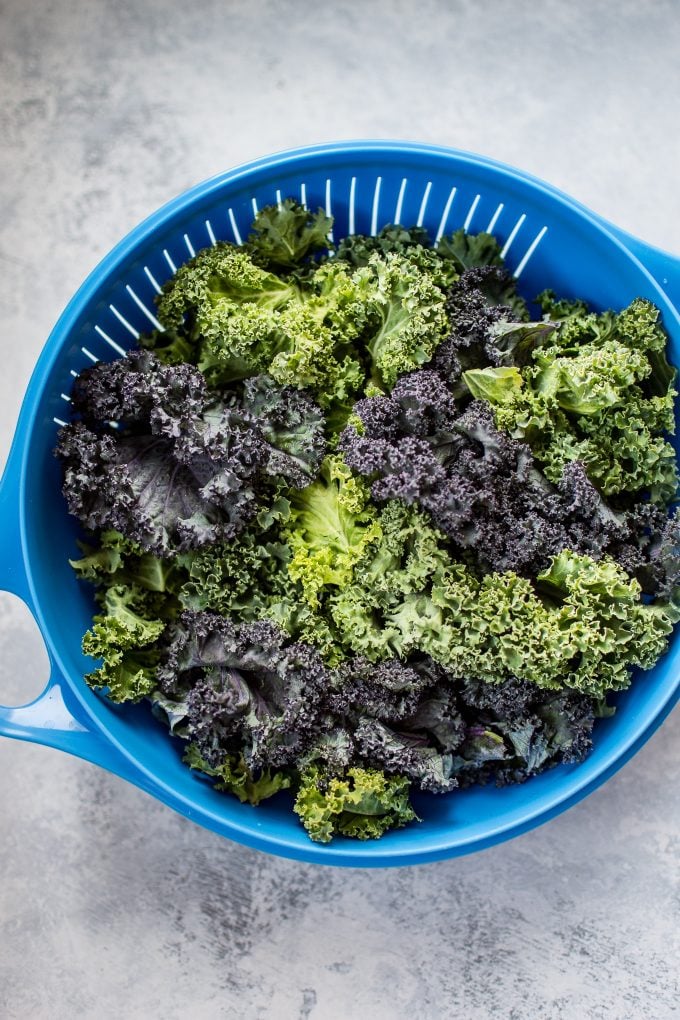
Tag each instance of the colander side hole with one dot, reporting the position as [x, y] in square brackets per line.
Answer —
[376, 206]
[445, 216]
[140, 304]
[352, 197]
[120, 351]
[471, 213]
[329, 207]
[513, 234]
[400, 201]
[24, 664]
[423, 204]
[168, 259]
[530, 251]
[234, 227]
[152, 279]
[494, 219]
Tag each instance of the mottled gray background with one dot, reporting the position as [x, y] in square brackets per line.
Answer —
[110, 904]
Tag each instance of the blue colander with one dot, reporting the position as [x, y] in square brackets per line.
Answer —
[548, 240]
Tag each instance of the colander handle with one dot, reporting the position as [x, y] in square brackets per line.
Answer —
[664, 267]
[55, 717]
[52, 719]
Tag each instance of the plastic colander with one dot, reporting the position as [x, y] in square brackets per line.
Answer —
[548, 240]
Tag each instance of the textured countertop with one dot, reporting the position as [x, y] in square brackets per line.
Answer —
[110, 904]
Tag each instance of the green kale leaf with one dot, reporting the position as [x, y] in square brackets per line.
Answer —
[601, 392]
[331, 523]
[232, 775]
[125, 639]
[363, 803]
[284, 236]
[407, 318]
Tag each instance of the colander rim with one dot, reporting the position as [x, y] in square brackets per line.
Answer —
[582, 781]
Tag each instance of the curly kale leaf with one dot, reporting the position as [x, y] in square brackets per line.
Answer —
[223, 273]
[250, 580]
[100, 563]
[137, 596]
[484, 329]
[125, 639]
[470, 251]
[239, 580]
[138, 484]
[305, 343]
[389, 690]
[601, 392]
[410, 243]
[178, 477]
[116, 560]
[584, 629]
[657, 563]
[400, 562]
[606, 625]
[284, 236]
[390, 310]
[538, 729]
[292, 425]
[583, 626]
[331, 522]
[357, 249]
[399, 753]
[362, 803]
[407, 318]
[244, 320]
[316, 336]
[479, 486]
[138, 388]
[233, 775]
[249, 690]
[233, 318]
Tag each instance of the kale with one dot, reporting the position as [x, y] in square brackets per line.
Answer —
[484, 330]
[174, 467]
[270, 307]
[330, 524]
[248, 689]
[260, 709]
[484, 490]
[361, 803]
[233, 775]
[286, 236]
[359, 527]
[601, 391]
[136, 596]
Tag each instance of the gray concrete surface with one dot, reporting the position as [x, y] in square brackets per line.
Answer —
[110, 904]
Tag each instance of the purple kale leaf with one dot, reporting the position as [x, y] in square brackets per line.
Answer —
[174, 467]
[415, 719]
[248, 688]
[487, 324]
[483, 489]
[247, 692]
[159, 496]
[138, 388]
